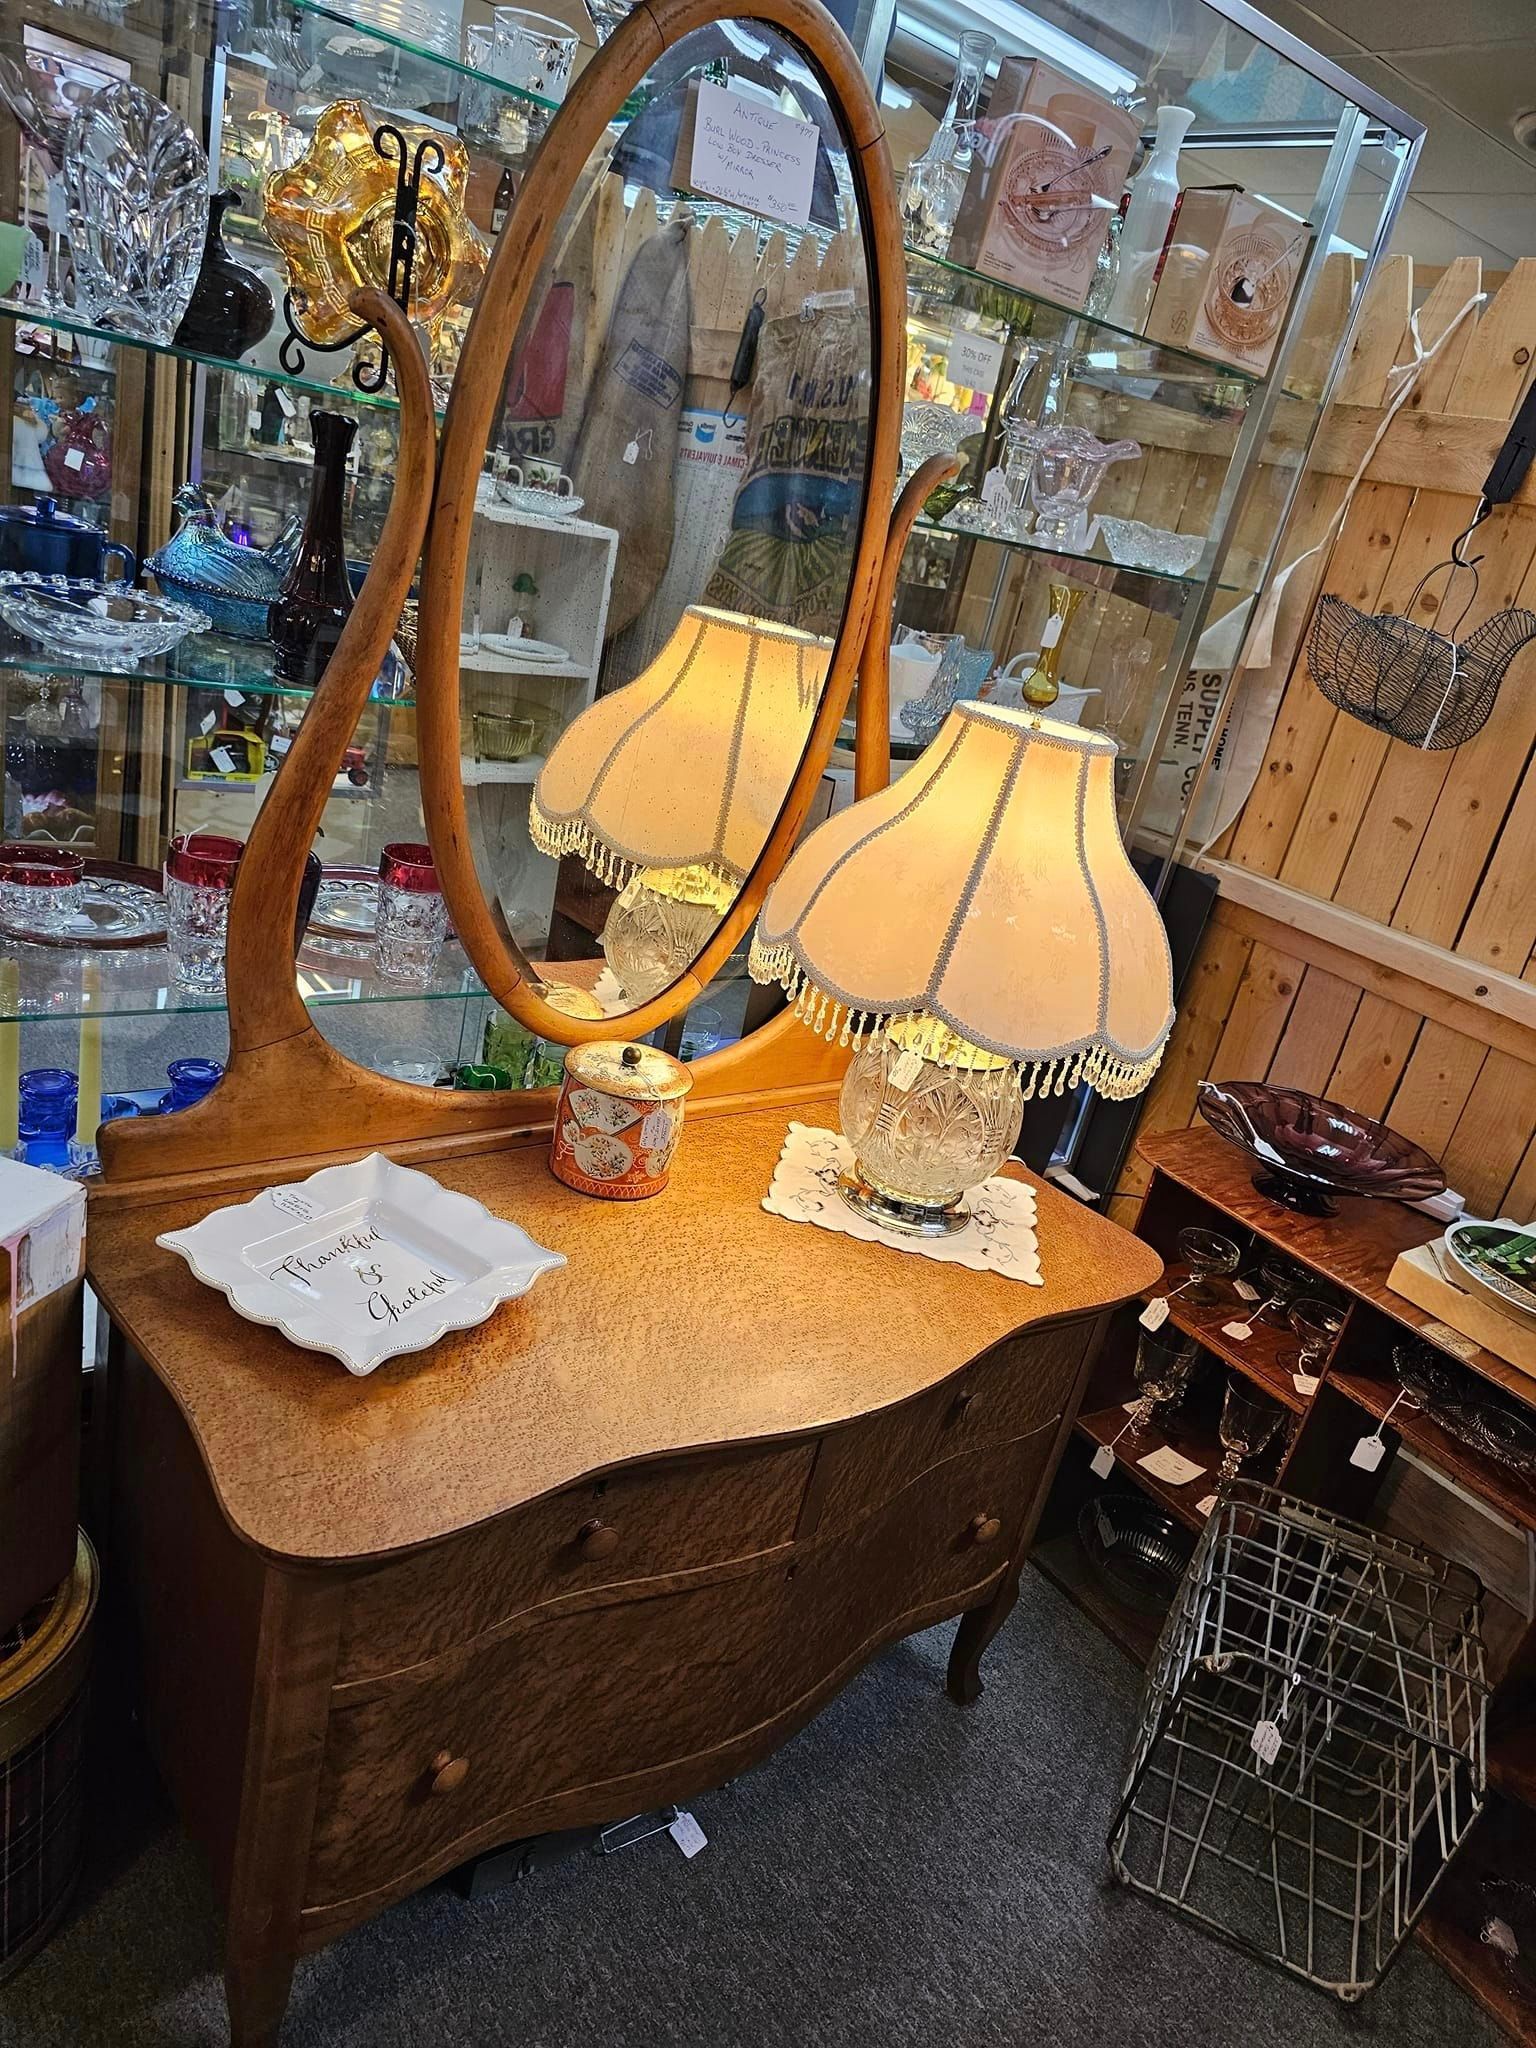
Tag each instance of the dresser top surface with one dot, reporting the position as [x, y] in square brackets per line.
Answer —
[684, 1322]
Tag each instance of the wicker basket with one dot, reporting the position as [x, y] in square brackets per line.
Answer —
[44, 1664]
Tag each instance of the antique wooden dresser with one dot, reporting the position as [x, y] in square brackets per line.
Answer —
[603, 1552]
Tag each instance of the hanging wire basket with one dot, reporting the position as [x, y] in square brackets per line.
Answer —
[1311, 1751]
[1408, 681]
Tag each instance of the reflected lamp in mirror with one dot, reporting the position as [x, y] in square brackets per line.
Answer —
[977, 931]
[668, 789]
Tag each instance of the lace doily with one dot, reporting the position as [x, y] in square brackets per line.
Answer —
[1000, 1237]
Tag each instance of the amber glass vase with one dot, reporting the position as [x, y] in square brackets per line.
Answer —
[311, 608]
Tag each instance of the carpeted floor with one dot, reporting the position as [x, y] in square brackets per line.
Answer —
[903, 1873]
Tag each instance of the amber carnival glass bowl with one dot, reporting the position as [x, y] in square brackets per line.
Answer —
[1308, 1149]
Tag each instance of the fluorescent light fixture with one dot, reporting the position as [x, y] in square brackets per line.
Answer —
[892, 95]
[1022, 34]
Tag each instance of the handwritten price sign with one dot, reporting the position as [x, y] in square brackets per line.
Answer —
[753, 156]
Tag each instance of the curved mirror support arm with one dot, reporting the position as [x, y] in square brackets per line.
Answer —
[593, 102]
[278, 1062]
[872, 742]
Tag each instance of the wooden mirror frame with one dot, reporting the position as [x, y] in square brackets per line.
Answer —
[287, 1094]
[593, 102]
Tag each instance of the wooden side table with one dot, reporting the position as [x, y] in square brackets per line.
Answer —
[602, 1553]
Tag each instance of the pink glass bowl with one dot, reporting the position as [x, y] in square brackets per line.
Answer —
[1308, 1148]
[408, 865]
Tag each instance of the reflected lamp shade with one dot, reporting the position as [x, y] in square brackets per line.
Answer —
[683, 771]
[982, 912]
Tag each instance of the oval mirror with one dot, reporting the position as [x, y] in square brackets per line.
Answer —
[663, 489]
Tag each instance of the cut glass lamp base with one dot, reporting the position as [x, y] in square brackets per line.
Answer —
[890, 1212]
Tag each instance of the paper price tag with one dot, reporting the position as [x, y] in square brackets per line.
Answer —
[209, 722]
[906, 1071]
[1155, 1314]
[1368, 1453]
[1240, 1332]
[687, 1834]
[34, 262]
[253, 419]
[235, 697]
[222, 759]
[1205, 1505]
[285, 403]
[74, 458]
[280, 743]
[1102, 1463]
[994, 489]
[974, 361]
[1449, 1340]
[281, 95]
[1167, 1465]
[656, 1127]
[1265, 1741]
[292, 1203]
[1245, 1289]
[1305, 1382]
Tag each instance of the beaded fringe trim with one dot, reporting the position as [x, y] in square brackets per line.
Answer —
[616, 870]
[1103, 1070]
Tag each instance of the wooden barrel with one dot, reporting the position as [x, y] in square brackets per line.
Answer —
[44, 1663]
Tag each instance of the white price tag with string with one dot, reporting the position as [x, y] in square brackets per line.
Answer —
[222, 759]
[687, 1834]
[1239, 1332]
[1155, 1314]
[994, 490]
[1102, 1463]
[905, 1071]
[1306, 1383]
[1206, 1504]
[34, 262]
[1368, 1453]
[1245, 1290]
[1265, 1741]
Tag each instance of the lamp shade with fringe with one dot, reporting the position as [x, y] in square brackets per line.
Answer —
[982, 909]
[687, 767]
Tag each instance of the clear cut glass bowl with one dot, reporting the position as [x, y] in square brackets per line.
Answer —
[109, 625]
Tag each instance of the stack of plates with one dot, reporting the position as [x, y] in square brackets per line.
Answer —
[527, 653]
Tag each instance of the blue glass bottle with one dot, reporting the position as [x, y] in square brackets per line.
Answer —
[190, 1081]
[46, 1117]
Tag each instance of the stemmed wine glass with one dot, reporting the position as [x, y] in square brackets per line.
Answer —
[1163, 1366]
[1282, 1281]
[1209, 1256]
[1316, 1324]
[1248, 1422]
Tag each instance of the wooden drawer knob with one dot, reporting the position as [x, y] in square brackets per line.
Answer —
[986, 1529]
[448, 1772]
[596, 1540]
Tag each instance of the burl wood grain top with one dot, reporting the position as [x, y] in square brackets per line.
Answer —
[690, 1320]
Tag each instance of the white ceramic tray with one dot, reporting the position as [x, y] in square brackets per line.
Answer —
[364, 1261]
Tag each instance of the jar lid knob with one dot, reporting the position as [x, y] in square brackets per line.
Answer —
[630, 1056]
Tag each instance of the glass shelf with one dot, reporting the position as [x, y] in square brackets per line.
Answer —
[136, 981]
[1135, 356]
[68, 323]
[1127, 575]
[371, 32]
[203, 661]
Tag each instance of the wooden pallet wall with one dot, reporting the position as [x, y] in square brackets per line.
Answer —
[1375, 934]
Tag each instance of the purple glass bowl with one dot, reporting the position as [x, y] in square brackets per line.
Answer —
[1308, 1149]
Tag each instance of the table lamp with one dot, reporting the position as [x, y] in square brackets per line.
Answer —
[978, 932]
[668, 788]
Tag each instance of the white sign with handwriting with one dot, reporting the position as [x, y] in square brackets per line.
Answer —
[753, 156]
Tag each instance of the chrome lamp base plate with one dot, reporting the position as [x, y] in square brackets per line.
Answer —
[912, 1219]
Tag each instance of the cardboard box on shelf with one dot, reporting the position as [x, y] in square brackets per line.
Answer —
[1227, 277]
[1045, 182]
[1418, 1277]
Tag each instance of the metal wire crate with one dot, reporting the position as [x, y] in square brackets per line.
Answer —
[1311, 1749]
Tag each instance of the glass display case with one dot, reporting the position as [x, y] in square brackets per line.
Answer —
[198, 190]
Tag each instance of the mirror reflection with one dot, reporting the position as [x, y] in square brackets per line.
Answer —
[667, 521]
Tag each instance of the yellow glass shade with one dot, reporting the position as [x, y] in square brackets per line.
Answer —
[988, 895]
[687, 767]
[332, 215]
